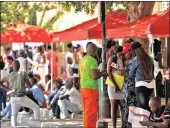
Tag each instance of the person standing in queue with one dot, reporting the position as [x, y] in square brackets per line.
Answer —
[89, 75]
[143, 69]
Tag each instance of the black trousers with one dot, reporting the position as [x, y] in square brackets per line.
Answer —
[143, 95]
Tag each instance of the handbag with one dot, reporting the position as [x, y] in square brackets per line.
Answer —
[118, 78]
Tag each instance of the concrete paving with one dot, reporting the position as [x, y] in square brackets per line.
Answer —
[25, 122]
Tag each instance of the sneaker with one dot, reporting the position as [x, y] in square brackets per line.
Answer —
[23, 113]
[76, 116]
[54, 118]
[6, 118]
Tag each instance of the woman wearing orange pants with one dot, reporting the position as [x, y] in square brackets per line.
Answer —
[89, 86]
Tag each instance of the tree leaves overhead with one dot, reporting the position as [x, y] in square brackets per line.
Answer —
[12, 12]
[90, 6]
[49, 24]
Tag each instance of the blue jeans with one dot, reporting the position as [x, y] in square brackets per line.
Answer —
[7, 111]
[55, 108]
[2, 98]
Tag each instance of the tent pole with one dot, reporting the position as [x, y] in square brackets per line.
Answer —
[104, 105]
[150, 37]
[51, 67]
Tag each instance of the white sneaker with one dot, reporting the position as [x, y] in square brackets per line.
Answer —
[23, 113]
[54, 118]
[6, 118]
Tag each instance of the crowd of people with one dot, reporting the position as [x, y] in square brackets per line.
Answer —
[30, 81]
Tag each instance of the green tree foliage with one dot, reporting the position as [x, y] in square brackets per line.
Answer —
[13, 12]
[89, 6]
[49, 24]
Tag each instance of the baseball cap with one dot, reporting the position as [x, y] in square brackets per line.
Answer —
[126, 47]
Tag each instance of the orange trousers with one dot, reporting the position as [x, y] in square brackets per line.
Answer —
[90, 107]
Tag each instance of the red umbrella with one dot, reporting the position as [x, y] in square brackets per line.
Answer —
[22, 32]
[157, 25]
[90, 29]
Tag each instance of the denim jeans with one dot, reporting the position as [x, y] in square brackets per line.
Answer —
[55, 108]
[6, 111]
[2, 98]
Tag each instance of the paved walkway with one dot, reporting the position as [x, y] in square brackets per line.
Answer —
[25, 122]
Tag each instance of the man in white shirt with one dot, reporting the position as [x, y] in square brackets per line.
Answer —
[74, 103]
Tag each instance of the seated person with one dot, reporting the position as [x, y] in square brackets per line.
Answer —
[6, 113]
[159, 117]
[64, 75]
[48, 84]
[39, 82]
[37, 93]
[2, 98]
[53, 98]
[28, 85]
[74, 104]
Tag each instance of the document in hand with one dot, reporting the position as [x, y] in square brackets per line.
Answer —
[137, 114]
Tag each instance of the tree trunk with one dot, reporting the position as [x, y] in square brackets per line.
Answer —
[32, 16]
[138, 12]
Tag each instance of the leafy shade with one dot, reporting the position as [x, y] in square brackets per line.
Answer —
[13, 12]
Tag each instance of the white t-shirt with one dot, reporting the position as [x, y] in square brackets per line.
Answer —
[146, 84]
[69, 54]
[23, 64]
[74, 65]
[74, 96]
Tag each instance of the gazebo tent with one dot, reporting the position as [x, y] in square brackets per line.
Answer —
[22, 32]
[157, 25]
[90, 29]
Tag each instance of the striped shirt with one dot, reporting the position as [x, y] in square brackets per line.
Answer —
[163, 114]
